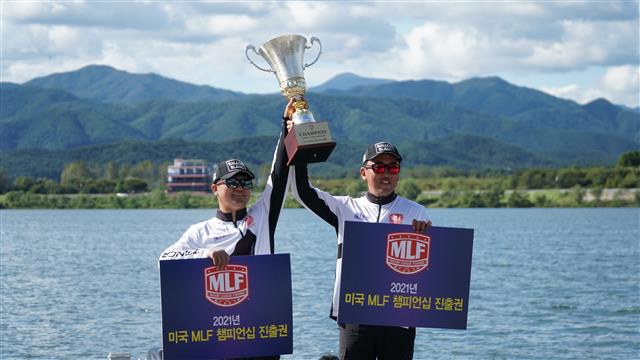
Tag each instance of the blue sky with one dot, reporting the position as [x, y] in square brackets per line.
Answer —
[579, 50]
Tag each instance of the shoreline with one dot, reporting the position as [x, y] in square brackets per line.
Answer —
[533, 198]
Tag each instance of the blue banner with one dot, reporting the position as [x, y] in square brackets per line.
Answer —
[244, 310]
[393, 276]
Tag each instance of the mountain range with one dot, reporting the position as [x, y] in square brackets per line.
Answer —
[476, 123]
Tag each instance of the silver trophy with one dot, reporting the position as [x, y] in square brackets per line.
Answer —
[308, 141]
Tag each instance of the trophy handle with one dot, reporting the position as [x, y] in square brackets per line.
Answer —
[246, 53]
[313, 39]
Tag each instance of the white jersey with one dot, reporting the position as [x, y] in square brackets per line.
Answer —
[251, 233]
[335, 210]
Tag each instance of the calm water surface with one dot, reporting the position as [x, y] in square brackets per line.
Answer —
[545, 283]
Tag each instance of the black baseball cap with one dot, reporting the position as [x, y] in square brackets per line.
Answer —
[380, 148]
[229, 168]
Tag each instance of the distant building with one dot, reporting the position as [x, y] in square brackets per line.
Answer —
[188, 175]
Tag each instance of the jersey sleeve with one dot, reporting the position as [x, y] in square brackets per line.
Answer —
[321, 203]
[272, 199]
[187, 247]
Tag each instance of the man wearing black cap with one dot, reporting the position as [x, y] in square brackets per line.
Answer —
[380, 169]
[235, 230]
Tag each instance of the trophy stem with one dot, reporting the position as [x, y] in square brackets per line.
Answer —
[302, 114]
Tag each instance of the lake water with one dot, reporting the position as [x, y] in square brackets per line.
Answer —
[545, 283]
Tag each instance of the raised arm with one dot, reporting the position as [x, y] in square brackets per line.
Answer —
[319, 202]
[272, 198]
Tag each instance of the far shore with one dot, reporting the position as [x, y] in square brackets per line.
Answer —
[158, 199]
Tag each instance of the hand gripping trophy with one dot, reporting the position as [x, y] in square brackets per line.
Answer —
[308, 141]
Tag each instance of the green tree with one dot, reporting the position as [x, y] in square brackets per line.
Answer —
[577, 193]
[356, 188]
[100, 186]
[111, 172]
[23, 183]
[630, 180]
[409, 189]
[5, 183]
[75, 173]
[472, 199]
[569, 177]
[491, 198]
[144, 170]
[518, 200]
[131, 184]
[45, 186]
[537, 178]
[597, 176]
[541, 200]
[184, 201]
[629, 159]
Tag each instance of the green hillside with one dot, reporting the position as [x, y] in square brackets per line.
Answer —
[54, 119]
[106, 84]
[462, 151]
[477, 123]
[494, 96]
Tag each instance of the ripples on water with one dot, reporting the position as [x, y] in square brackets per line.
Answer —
[546, 283]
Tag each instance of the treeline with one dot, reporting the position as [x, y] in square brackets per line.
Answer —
[79, 177]
[431, 186]
[494, 198]
[156, 199]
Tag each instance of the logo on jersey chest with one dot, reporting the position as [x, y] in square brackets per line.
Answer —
[396, 218]
[408, 253]
[226, 287]
[360, 216]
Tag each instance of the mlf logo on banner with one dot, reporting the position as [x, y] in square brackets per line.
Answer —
[408, 253]
[226, 287]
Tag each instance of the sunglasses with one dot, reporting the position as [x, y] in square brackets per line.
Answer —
[394, 169]
[234, 183]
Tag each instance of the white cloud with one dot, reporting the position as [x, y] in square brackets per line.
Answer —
[204, 42]
[622, 79]
[619, 84]
[573, 92]
[622, 83]
[440, 51]
[583, 44]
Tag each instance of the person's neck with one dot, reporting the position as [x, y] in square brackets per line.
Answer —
[381, 200]
[231, 215]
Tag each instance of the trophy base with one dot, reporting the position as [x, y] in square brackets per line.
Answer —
[309, 143]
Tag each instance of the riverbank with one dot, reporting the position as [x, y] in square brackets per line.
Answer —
[548, 198]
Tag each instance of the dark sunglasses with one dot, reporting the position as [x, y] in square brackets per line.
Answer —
[233, 183]
[394, 169]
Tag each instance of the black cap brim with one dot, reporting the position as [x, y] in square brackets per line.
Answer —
[234, 173]
[398, 157]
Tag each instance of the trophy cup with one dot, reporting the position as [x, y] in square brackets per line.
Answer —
[308, 141]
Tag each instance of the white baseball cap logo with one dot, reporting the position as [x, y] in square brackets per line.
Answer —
[235, 165]
[384, 147]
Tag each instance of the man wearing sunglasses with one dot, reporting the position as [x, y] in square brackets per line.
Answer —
[380, 170]
[236, 230]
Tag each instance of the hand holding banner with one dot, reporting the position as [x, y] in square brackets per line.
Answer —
[395, 277]
[241, 311]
